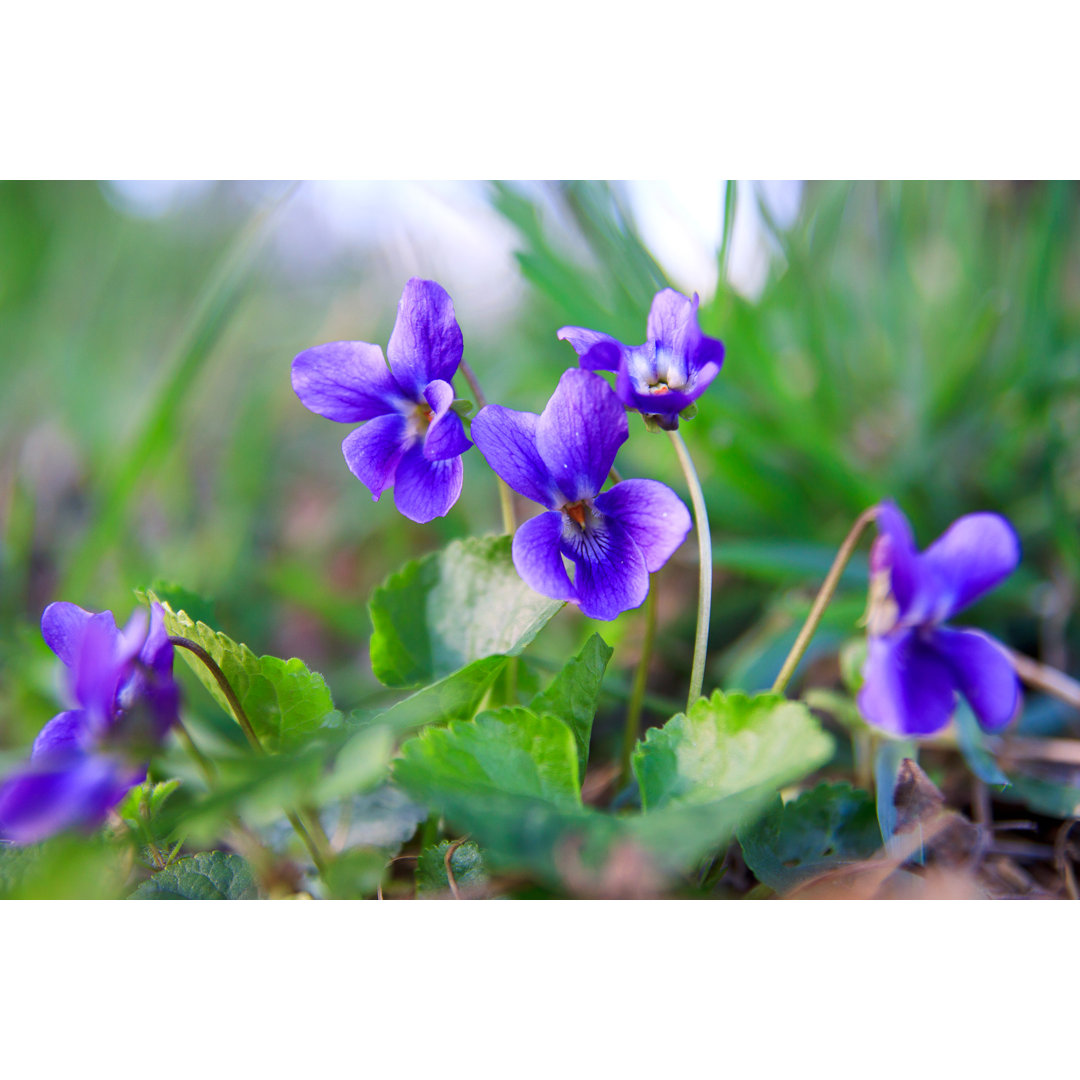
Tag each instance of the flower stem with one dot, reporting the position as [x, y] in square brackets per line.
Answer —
[821, 601]
[506, 498]
[701, 521]
[637, 691]
[318, 856]
[730, 193]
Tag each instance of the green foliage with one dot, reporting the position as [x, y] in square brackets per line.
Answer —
[143, 802]
[466, 863]
[786, 562]
[728, 744]
[509, 779]
[973, 746]
[455, 697]
[823, 828]
[361, 764]
[444, 611]
[209, 875]
[255, 787]
[197, 608]
[67, 867]
[355, 874]
[511, 750]
[284, 701]
[1053, 797]
[574, 693]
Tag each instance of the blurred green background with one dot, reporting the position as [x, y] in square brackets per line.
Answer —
[917, 341]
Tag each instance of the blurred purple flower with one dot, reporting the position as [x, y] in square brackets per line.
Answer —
[86, 759]
[412, 440]
[915, 665]
[665, 375]
[561, 460]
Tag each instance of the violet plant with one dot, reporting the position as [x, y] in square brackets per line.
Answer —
[490, 770]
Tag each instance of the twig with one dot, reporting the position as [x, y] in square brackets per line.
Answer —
[1064, 860]
[451, 848]
[1046, 678]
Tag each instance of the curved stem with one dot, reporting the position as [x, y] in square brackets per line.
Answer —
[506, 498]
[206, 769]
[821, 601]
[637, 691]
[470, 377]
[701, 521]
[211, 665]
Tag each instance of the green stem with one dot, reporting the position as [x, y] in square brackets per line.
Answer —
[701, 521]
[731, 187]
[318, 856]
[506, 497]
[201, 760]
[821, 601]
[637, 691]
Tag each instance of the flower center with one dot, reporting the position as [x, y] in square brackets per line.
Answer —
[420, 417]
[576, 511]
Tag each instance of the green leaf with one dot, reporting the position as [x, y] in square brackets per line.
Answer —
[823, 828]
[143, 802]
[728, 744]
[972, 744]
[574, 693]
[1051, 797]
[510, 751]
[256, 787]
[71, 866]
[785, 561]
[509, 779]
[839, 705]
[361, 764]
[456, 697]
[467, 865]
[355, 874]
[199, 608]
[284, 701]
[209, 875]
[452, 607]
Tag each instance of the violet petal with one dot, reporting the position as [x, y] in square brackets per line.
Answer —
[537, 558]
[976, 552]
[895, 551]
[507, 440]
[346, 381]
[37, 802]
[445, 436]
[426, 343]
[984, 674]
[373, 451]
[596, 351]
[64, 733]
[579, 433]
[908, 688]
[62, 626]
[653, 515]
[423, 489]
[610, 576]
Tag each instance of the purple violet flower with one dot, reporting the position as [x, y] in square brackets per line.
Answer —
[86, 759]
[561, 460]
[412, 440]
[915, 665]
[665, 375]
